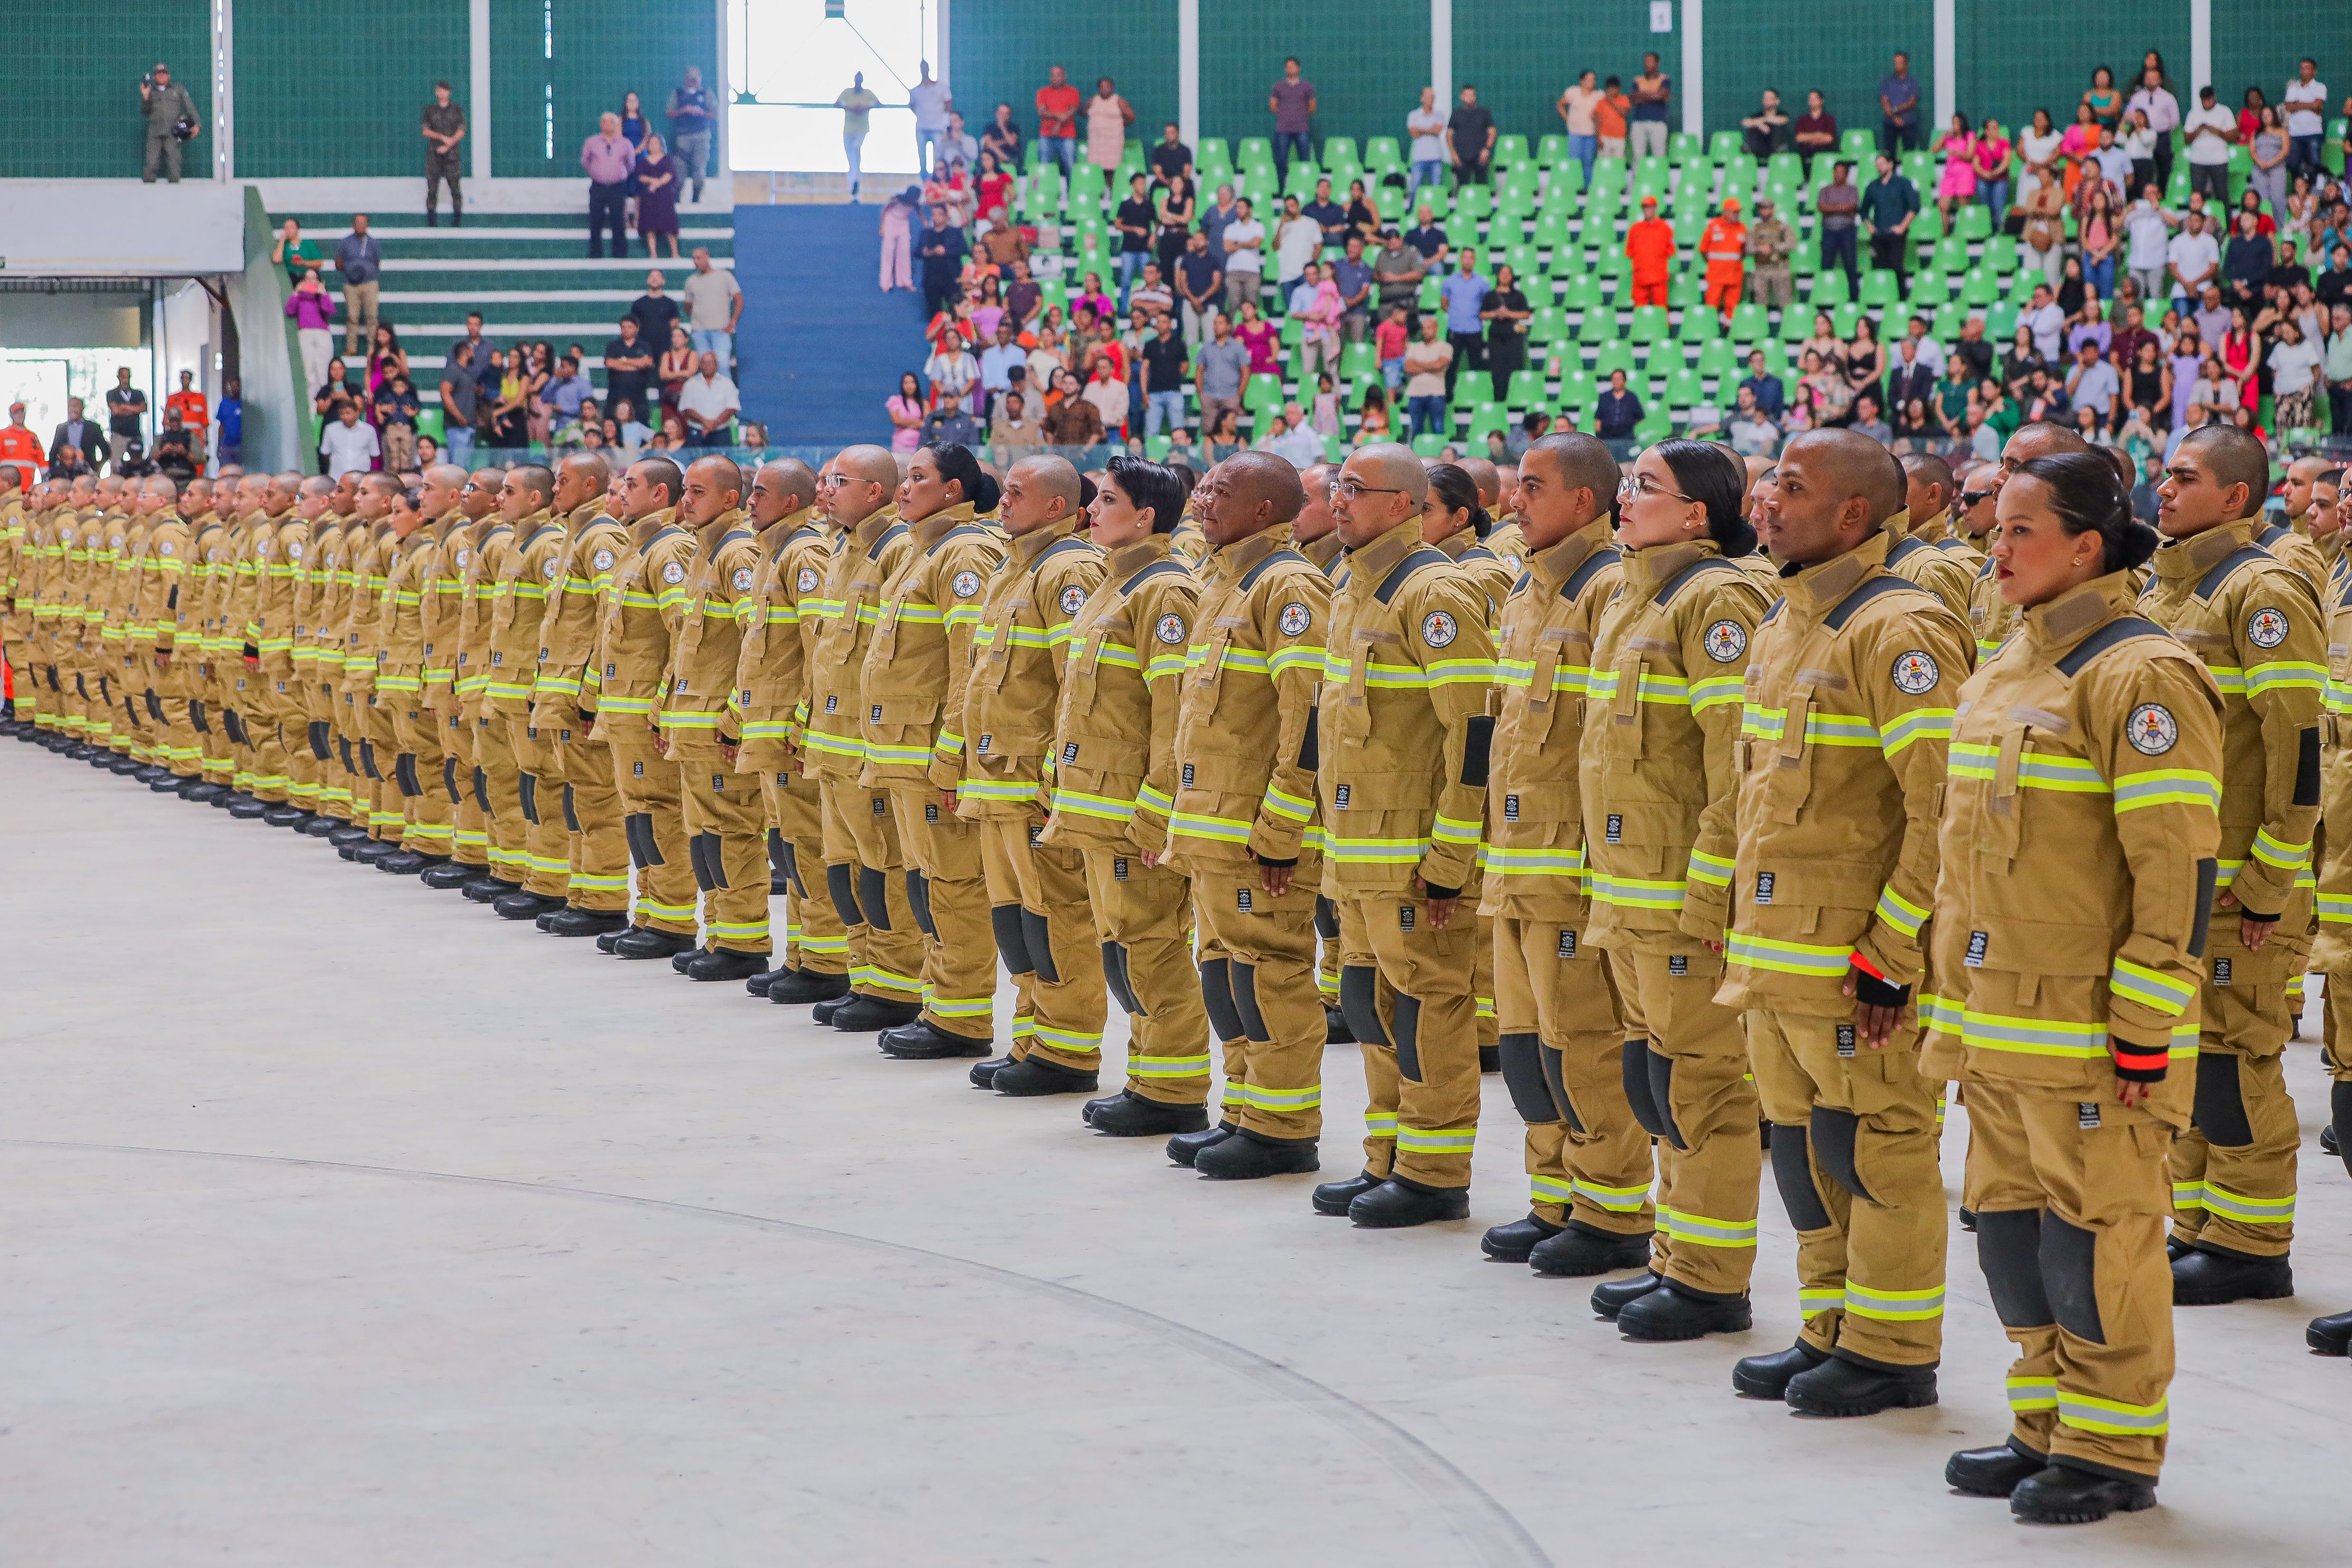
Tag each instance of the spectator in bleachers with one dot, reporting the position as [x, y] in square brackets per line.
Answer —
[942, 250]
[897, 239]
[313, 309]
[692, 117]
[958, 144]
[1162, 370]
[1652, 91]
[709, 402]
[231, 447]
[1329, 215]
[444, 128]
[1107, 390]
[998, 362]
[460, 402]
[1174, 198]
[1771, 242]
[1507, 313]
[1134, 222]
[1200, 287]
[1426, 237]
[1765, 131]
[1890, 205]
[1294, 440]
[1957, 186]
[628, 363]
[1429, 377]
[1151, 295]
[2194, 258]
[1425, 130]
[677, 364]
[168, 111]
[1650, 247]
[1352, 276]
[1617, 411]
[1470, 138]
[1398, 270]
[1898, 108]
[1057, 120]
[2209, 130]
[77, 445]
[1073, 421]
[656, 177]
[347, 446]
[126, 409]
[857, 102]
[1108, 117]
[1837, 213]
[2304, 107]
[1016, 431]
[1315, 303]
[1610, 115]
[359, 258]
[905, 410]
[395, 407]
[1576, 106]
[385, 357]
[714, 306]
[1002, 138]
[1219, 370]
[1816, 130]
[1260, 337]
[609, 161]
[1389, 341]
[1291, 102]
[190, 405]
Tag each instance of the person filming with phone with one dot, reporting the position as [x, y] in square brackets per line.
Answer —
[172, 120]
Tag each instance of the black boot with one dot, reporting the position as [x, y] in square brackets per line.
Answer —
[287, 816]
[824, 1011]
[2175, 1248]
[1246, 1156]
[1033, 1076]
[725, 963]
[798, 987]
[155, 773]
[1334, 1198]
[1841, 1386]
[1511, 1243]
[983, 1073]
[1611, 1298]
[644, 942]
[678, 961]
[523, 906]
[1128, 1114]
[407, 863]
[169, 784]
[343, 835]
[451, 875]
[757, 984]
[323, 826]
[374, 850]
[1335, 1028]
[251, 808]
[200, 790]
[124, 766]
[2209, 1276]
[2328, 1142]
[1992, 1472]
[583, 923]
[865, 1015]
[1674, 1311]
[1185, 1147]
[1767, 1377]
[2331, 1335]
[2064, 1495]
[1397, 1203]
[486, 889]
[605, 942]
[924, 1041]
[1579, 1251]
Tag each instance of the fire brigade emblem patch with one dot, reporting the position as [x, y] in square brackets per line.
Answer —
[1294, 619]
[1438, 629]
[1073, 599]
[2152, 729]
[1916, 672]
[1170, 629]
[1725, 640]
[2267, 629]
[966, 584]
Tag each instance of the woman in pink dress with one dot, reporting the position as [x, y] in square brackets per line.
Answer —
[898, 240]
[1261, 338]
[1959, 180]
[906, 414]
[1108, 118]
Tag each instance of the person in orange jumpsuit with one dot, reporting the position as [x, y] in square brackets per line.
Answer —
[1723, 246]
[1650, 247]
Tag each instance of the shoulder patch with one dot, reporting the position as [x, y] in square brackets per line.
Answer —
[2152, 729]
[1438, 629]
[463, 556]
[167, 547]
[1073, 599]
[555, 564]
[807, 580]
[1169, 629]
[116, 542]
[2266, 627]
[1513, 562]
[602, 560]
[1295, 618]
[966, 584]
[294, 551]
[1916, 671]
[742, 579]
[1725, 641]
[672, 574]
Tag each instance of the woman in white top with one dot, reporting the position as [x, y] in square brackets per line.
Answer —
[952, 371]
[2295, 378]
[2037, 145]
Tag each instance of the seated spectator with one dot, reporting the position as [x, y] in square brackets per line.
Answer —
[1753, 433]
[1016, 432]
[905, 410]
[1224, 437]
[1618, 410]
[177, 451]
[1765, 388]
[709, 403]
[628, 430]
[1868, 418]
[1073, 421]
[950, 423]
[1107, 389]
[952, 372]
[1293, 439]
[678, 363]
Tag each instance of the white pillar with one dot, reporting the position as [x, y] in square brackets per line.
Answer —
[1441, 52]
[1694, 72]
[478, 86]
[2200, 47]
[723, 87]
[223, 125]
[1188, 71]
[941, 64]
[1948, 65]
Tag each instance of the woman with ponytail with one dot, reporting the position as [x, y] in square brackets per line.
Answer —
[1452, 521]
[1659, 783]
[2078, 853]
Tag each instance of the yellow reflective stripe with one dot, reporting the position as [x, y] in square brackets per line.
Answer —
[2276, 852]
[1177, 1067]
[1900, 913]
[1437, 1140]
[1893, 1305]
[2086, 1414]
[2220, 1200]
[1788, 957]
[2149, 988]
[2168, 787]
[2033, 1394]
[1713, 869]
[1700, 1231]
[1616, 1200]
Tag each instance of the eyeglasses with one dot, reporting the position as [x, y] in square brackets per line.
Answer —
[1354, 491]
[1970, 498]
[1635, 487]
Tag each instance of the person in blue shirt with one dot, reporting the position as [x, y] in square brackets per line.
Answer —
[230, 417]
[1465, 294]
[1898, 108]
[1771, 396]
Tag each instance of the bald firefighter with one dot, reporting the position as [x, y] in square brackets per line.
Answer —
[1316, 536]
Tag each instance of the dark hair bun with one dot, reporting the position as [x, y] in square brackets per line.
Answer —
[2137, 543]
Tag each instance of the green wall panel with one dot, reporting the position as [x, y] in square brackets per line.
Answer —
[2257, 43]
[2016, 60]
[581, 56]
[1369, 63]
[70, 79]
[998, 58]
[325, 88]
[1842, 47]
[1521, 55]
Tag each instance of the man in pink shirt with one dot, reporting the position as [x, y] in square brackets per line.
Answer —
[609, 160]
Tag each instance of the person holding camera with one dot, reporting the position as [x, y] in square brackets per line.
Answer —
[170, 120]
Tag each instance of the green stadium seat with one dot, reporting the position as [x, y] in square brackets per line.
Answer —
[1551, 230]
[1431, 295]
[1552, 149]
[1294, 331]
[1485, 418]
[2000, 323]
[1857, 146]
[1567, 182]
[1975, 222]
[1829, 287]
[1583, 293]
[1749, 322]
[1650, 324]
[1805, 259]
[1655, 427]
[1357, 360]
[2000, 255]
[1389, 202]
[1608, 172]
[1685, 291]
[1577, 386]
[1722, 144]
[1844, 320]
[1521, 258]
[1979, 287]
[1252, 151]
[1700, 325]
[1689, 226]
[1212, 149]
[1947, 320]
[1472, 387]
[1156, 448]
[1878, 287]
[1380, 153]
[1428, 446]
[1510, 150]
[1338, 149]
[1796, 325]
[1929, 290]
[2021, 286]
[1776, 360]
[1613, 355]
[1598, 326]
[1739, 175]
[1525, 391]
[1475, 201]
[1789, 166]
[1263, 391]
[1720, 359]
[1949, 255]
[1683, 388]
[1682, 146]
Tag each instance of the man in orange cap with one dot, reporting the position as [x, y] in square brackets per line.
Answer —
[1725, 248]
[1650, 245]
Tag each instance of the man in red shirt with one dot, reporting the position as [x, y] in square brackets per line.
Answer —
[1650, 245]
[1057, 120]
[195, 411]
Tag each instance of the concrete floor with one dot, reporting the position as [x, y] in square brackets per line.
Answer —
[345, 1223]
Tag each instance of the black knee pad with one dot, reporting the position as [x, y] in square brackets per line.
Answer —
[448, 773]
[198, 719]
[1792, 1173]
[1115, 975]
[1217, 996]
[351, 764]
[714, 863]
[230, 721]
[82, 689]
[1555, 1071]
[1405, 1014]
[779, 851]
[694, 858]
[2340, 1105]
[1633, 1071]
[2220, 1111]
[838, 882]
[1835, 1133]
[1523, 1075]
[2009, 1250]
[1358, 994]
[571, 811]
[368, 766]
[637, 827]
[919, 901]
[154, 706]
[527, 787]
[1327, 919]
[1012, 945]
[481, 787]
[2070, 1274]
[1243, 977]
[1039, 936]
[874, 898]
[53, 681]
[322, 742]
[1661, 1082]
[404, 775]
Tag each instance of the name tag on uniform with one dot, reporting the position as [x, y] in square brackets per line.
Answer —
[881, 805]
[1035, 829]
[639, 769]
[1241, 899]
[980, 748]
[1567, 942]
[2221, 972]
[783, 781]
[1679, 965]
[1763, 886]
[1118, 868]
[1614, 832]
[1404, 917]
[1975, 957]
[1339, 798]
[719, 781]
[1845, 1039]
[1070, 752]
[2086, 1114]
[832, 704]
[1187, 778]
[931, 814]
[1510, 808]
[877, 713]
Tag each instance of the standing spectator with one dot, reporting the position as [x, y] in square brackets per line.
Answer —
[1838, 206]
[395, 407]
[1200, 283]
[313, 309]
[906, 411]
[2209, 129]
[1397, 270]
[1424, 131]
[1651, 90]
[957, 145]
[2305, 103]
[675, 365]
[77, 446]
[899, 239]
[2153, 101]
[1134, 222]
[1957, 183]
[1995, 156]
[1898, 109]
[1291, 102]
[714, 304]
[931, 103]
[656, 312]
[444, 128]
[709, 403]
[1817, 128]
[1173, 200]
[1293, 439]
[2294, 365]
[998, 362]
[609, 161]
[1352, 277]
[2045, 230]
[1220, 217]
[1003, 137]
[347, 446]
[2149, 231]
[1650, 247]
[1576, 106]
[1470, 139]
[629, 365]
[2270, 151]
[231, 448]
[1245, 244]
[691, 118]
[1770, 241]
[461, 398]
[1297, 240]
[1765, 131]
[1108, 117]
[1889, 205]
[2336, 367]
[1163, 362]
[1428, 371]
[1218, 372]
[1057, 121]
[656, 177]
[942, 248]
[2045, 321]
[1616, 411]
[857, 103]
[1608, 117]
[2246, 264]
[1316, 303]
[296, 254]
[1326, 213]
[168, 111]
[1171, 160]
[1507, 313]
[359, 258]
[189, 403]
[2194, 260]
[1465, 294]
